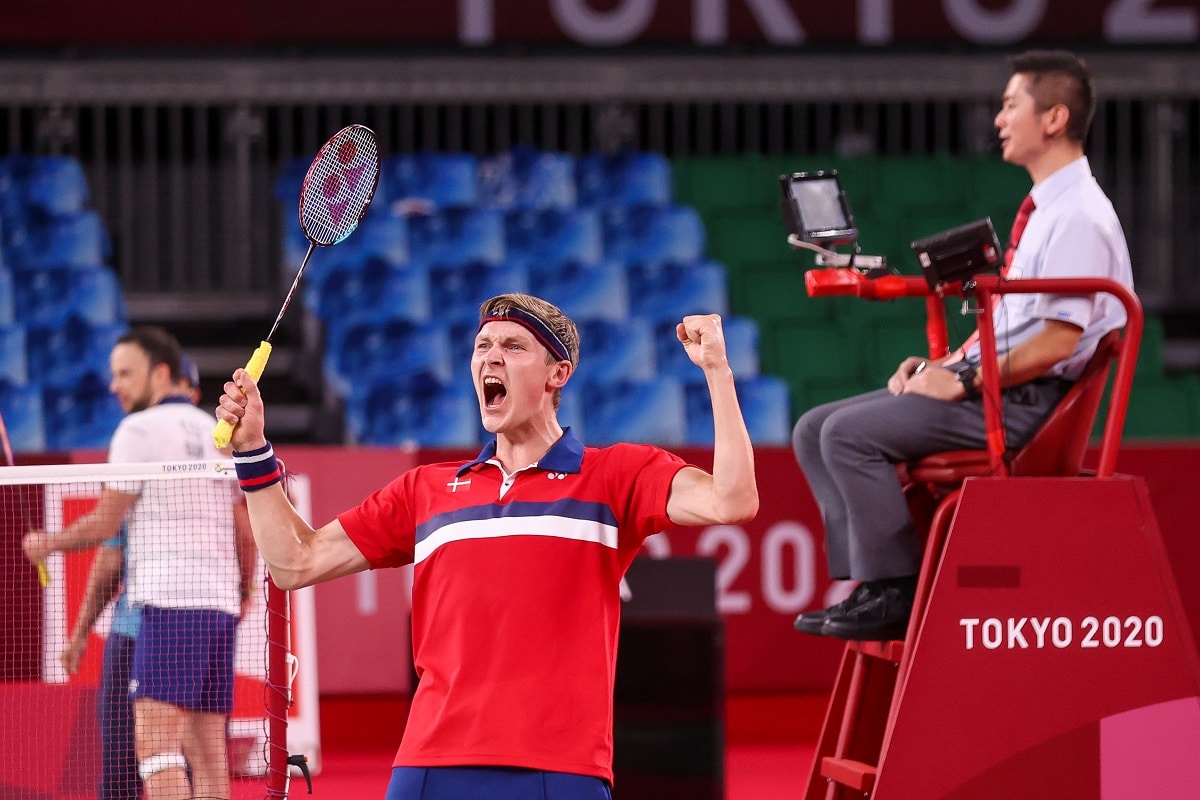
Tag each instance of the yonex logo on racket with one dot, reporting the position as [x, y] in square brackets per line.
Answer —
[340, 184]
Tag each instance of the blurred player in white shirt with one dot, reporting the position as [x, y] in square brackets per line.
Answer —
[186, 571]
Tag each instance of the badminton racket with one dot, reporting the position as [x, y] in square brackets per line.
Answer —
[6, 446]
[336, 193]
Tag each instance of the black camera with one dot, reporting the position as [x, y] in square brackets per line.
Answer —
[958, 254]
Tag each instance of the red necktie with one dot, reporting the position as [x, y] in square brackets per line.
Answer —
[1010, 252]
[1018, 228]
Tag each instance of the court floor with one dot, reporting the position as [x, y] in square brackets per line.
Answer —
[769, 746]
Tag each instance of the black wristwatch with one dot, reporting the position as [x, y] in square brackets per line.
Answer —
[966, 376]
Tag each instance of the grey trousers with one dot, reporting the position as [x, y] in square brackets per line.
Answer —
[847, 450]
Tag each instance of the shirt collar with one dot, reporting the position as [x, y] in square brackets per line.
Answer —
[565, 455]
[173, 398]
[1060, 181]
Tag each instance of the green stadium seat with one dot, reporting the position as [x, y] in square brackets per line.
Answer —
[890, 344]
[994, 189]
[814, 392]
[1150, 351]
[747, 236]
[920, 183]
[1163, 408]
[774, 291]
[803, 351]
[714, 183]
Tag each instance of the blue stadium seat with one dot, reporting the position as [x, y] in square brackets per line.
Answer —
[381, 235]
[290, 181]
[7, 298]
[651, 234]
[624, 179]
[667, 291]
[375, 287]
[571, 411]
[461, 332]
[584, 291]
[457, 291]
[21, 407]
[765, 407]
[47, 297]
[614, 351]
[741, 347]
[370, 346]
[651, 411]
[56, 186]
[14, 368]
[294, 246]
[326, 262]
[72, 240]
[444, 180]
[529, 179]
[457, 236]
[391, 412]
[62, 355]
[96, 296]
[14, 168]
[742, 336]
[554, 236]
[81, 415]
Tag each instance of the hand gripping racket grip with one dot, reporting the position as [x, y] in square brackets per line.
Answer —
[255, 366]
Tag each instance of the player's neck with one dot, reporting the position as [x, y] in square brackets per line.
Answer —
[526, 445]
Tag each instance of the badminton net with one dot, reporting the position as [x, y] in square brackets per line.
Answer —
[64, 725]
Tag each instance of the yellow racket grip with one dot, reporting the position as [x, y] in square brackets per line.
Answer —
[43, 574]
[255, 366]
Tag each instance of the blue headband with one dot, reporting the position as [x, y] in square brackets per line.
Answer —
[540, 330]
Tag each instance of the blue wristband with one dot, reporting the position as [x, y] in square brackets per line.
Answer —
[257, 469]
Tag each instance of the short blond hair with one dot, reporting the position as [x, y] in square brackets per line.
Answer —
[551, 315]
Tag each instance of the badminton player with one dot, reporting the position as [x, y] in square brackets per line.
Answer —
[517, 553]
[182, 670]
[119, 779]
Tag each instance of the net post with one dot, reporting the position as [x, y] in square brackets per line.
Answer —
[278, 691]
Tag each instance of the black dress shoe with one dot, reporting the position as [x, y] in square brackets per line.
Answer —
[882, 616]
[814, 621]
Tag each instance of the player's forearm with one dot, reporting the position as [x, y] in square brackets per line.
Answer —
[735, 490]
[281, 535]
[103, 580]
[296, 555]
[247, 552]
[88, 531]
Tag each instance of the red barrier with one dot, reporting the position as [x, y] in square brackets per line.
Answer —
[1056, 635]
[58, 753]
[769, 570]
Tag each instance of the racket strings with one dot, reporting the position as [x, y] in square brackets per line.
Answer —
[339, 186]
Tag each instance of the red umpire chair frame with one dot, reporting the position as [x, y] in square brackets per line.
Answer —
[1048, 649]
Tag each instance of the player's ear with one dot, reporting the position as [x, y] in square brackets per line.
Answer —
[560, 374]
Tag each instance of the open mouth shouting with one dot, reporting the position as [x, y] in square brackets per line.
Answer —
[494, 392]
